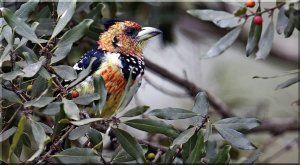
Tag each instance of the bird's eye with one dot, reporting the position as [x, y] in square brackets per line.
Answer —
[130, 32]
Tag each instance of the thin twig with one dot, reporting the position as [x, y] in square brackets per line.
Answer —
[15, 90]
[284, 149]
[157, 156]
[58, 84]
[267, 10]
[177, 154]
[10, 120]
[55, 145]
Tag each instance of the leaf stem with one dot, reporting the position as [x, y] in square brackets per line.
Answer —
[55, 145]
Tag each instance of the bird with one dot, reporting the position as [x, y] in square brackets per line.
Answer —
[117, 54]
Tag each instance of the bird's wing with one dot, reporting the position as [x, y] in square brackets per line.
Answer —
[86, 66]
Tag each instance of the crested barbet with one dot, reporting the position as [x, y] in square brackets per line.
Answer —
[119, 53]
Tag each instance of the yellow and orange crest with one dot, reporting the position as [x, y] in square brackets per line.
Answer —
[133, 25]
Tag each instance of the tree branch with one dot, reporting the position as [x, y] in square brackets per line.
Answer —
[277, 126]
[55, 145]
[274, 126]
[191, 88]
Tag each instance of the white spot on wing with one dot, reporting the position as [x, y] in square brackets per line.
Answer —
[76, 67]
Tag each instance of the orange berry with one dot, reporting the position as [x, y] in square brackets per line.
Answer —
[75, 93]
[258, 20]
[250, 3]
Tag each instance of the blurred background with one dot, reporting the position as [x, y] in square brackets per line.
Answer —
[229, 76]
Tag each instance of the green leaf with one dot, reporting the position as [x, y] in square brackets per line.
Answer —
[167, 158]
[208, 131]
[130, 145]
[288, 83]
[43, 72]
[100, 89]
[223, 156]
[130, 91]
[238, 123]
[153, 126]
[96, 13]
[60, 53]
[39, 137]
[253, 37]
[188, 147]
[289, 29]
[235, 138]
[220, 18]
[11, 75]
[47, 23]
[39, 102]
[38, 132]
[8, 35]
[266, 42]
[5, 154]
[184, 136]
[47, 129]
[77, 155]
[121, 156]
[9, 95]
[240, 11]
[58, 127]
[65, 11]
[85, 121]
[52, 108]
[136, 111]
[6, 134]
[198, 151]
[75, 33]
[40, 85]
[17, 136]
[24, 40]
[79, 132]
[86, 99]
[65, 72]
[94, 136]
[83, 74]
[211, 150]
[172, 113]
[29, 55]
[31, 69]
[20, 26]
[223, 44]
[71, 109]
[6, 51]
[201, 107]
[282, 21]
[26, 8]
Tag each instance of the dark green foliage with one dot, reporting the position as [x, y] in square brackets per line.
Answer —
[46, 125]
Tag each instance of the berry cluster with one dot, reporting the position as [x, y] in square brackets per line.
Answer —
[258, 20]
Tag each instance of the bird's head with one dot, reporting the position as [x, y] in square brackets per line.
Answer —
[125, 37]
